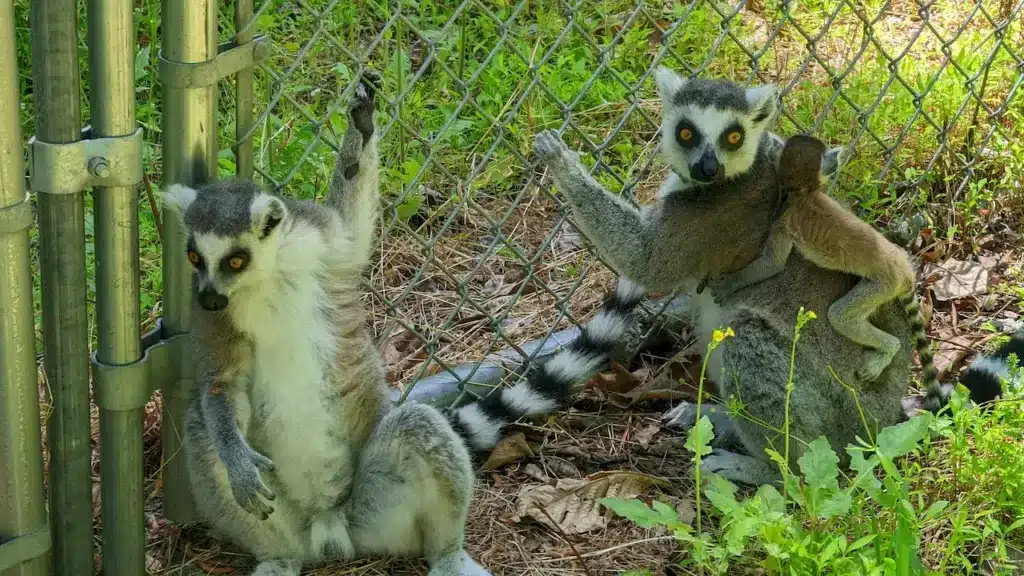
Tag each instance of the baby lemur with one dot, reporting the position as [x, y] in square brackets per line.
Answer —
[834, 238]
[291, 406]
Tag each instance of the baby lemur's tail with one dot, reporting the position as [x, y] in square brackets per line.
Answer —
[982, 378]
[548, 385]
[934, 398]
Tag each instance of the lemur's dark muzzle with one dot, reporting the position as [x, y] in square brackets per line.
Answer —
[212, 300]
[708, 168]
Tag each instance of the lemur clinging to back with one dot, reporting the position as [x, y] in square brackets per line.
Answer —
[834, 238]
[291, 404]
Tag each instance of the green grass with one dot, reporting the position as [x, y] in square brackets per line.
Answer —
[462, 131]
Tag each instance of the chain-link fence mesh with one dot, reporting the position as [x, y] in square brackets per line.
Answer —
[477, 256]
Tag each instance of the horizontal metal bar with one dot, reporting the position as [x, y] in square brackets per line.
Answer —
[75, 166]
[16, 217]
[230, 59]
[117, 386]
[14, 552]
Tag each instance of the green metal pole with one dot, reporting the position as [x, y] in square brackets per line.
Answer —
[112, 98]
[243, 93]
[190, 157]
[56, 92]
[22, 505]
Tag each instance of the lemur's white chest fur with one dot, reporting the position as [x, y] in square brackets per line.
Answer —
[294, 357]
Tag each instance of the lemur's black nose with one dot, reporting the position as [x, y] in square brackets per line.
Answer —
[212, 300]
[706, 169]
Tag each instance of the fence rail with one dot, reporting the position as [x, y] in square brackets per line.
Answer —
[477, 266]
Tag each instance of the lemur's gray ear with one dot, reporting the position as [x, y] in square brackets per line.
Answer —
[764, 102]
[177, 198]
[267, 212]
[832, 160]
[668, 82]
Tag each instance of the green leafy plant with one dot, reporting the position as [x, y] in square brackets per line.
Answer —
[871, 522]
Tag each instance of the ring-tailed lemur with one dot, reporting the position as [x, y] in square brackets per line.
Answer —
[711, 218]
[291, 406]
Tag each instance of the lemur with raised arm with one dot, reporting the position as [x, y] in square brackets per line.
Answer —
[712, 217]
[291, 407]
[830, 236]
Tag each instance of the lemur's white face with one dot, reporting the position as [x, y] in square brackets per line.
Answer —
[232, 232]
[711, 129]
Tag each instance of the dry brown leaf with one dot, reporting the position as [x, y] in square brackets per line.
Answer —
[958, 279]
[620, 381]
[508, 450]
[685, 365]
[644, 437]
[951, 350]
[575, 504]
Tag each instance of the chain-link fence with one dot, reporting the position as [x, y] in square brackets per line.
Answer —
[477, 260]
[476, 257]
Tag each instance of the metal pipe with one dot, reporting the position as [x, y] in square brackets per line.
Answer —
[112, 98]
[243, 93]
[56, 92]
[190, 157]
[22, 504]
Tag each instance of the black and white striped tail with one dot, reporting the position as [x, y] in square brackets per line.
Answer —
[934, 396]
[985, 375]
[548, 386]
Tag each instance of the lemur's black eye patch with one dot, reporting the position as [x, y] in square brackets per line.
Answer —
[687, 134]
[732, 137]
[235, 261]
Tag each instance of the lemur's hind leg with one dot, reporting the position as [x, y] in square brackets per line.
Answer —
[353, 191]
[850, 317]
[411, 493]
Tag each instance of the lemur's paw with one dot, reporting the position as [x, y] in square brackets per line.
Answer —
[873, 363]
[361, 107]
[549, 146]
[248, 488]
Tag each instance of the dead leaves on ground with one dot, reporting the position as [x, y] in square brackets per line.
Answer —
[572, 506]
[509, 449]
[957, 279]
[623, 388]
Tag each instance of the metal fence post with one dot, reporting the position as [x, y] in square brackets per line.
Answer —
[56, 91]
[190, 157]
[24, 535]
[243, 94]
[112, 98]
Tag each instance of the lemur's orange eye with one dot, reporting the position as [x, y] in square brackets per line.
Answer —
[734, 138]
[685, 134]
[193, 257]
[236, 262]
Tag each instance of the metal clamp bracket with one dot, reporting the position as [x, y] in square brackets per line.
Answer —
[16, 217]
[121, 387]
[74, 166]
[24, 548]
[231, 58]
